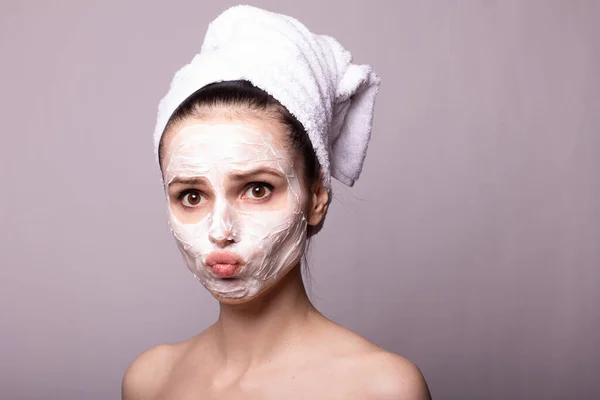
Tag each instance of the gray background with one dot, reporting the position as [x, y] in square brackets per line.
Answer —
[470, 245]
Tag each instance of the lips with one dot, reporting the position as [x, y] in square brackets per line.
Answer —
[224, 263]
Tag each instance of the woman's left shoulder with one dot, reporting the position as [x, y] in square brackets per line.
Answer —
[387, 375]
[373, 372]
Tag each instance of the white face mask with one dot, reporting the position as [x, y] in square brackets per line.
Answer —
[268, 235]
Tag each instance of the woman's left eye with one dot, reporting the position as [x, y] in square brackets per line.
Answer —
[258, 190]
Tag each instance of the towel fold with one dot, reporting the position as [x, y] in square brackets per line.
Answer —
[311, 75]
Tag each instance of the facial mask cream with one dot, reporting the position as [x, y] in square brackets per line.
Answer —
[269, 237]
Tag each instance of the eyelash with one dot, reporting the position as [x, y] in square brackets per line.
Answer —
[252, 185]
[248, 187]
[184, 193]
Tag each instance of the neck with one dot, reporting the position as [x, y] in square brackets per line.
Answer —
[250, 333]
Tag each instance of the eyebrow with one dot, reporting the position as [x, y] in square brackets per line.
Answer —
[234, 176]
[187, 181]
[241, 176]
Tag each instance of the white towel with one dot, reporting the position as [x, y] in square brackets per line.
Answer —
[311, 75]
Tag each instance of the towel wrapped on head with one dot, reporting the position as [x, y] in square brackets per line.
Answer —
[311, 75]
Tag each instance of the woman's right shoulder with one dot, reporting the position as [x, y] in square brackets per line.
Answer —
[149, 372]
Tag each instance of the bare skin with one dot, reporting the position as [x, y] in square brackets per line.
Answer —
[274, 346]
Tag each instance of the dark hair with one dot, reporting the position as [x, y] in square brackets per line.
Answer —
[247, 96]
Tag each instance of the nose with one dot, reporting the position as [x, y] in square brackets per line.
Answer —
[222, 230]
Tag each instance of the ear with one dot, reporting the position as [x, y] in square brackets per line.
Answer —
[319, 197]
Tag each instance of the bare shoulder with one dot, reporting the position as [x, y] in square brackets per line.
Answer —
[150, 370]
[375, 373]
[392, 377]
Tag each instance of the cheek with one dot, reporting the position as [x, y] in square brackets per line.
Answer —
[265, 233]
[187, 215]
[192, 238]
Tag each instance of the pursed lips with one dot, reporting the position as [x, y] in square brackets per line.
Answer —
[224, 263]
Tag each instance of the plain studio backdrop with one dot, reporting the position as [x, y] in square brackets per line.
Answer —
[470, 245]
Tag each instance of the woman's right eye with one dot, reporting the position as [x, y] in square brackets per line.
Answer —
[191, 198]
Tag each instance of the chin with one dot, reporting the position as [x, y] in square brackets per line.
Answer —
[246, 298]
[244, 291]
[233, 301]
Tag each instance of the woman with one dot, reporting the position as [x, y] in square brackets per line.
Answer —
[246, 147]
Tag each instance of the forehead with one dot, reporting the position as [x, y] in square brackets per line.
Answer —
[220, 140]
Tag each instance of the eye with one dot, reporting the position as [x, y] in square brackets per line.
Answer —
[258, 190]
[191, 198]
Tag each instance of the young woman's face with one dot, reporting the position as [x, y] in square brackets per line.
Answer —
[236, 204]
